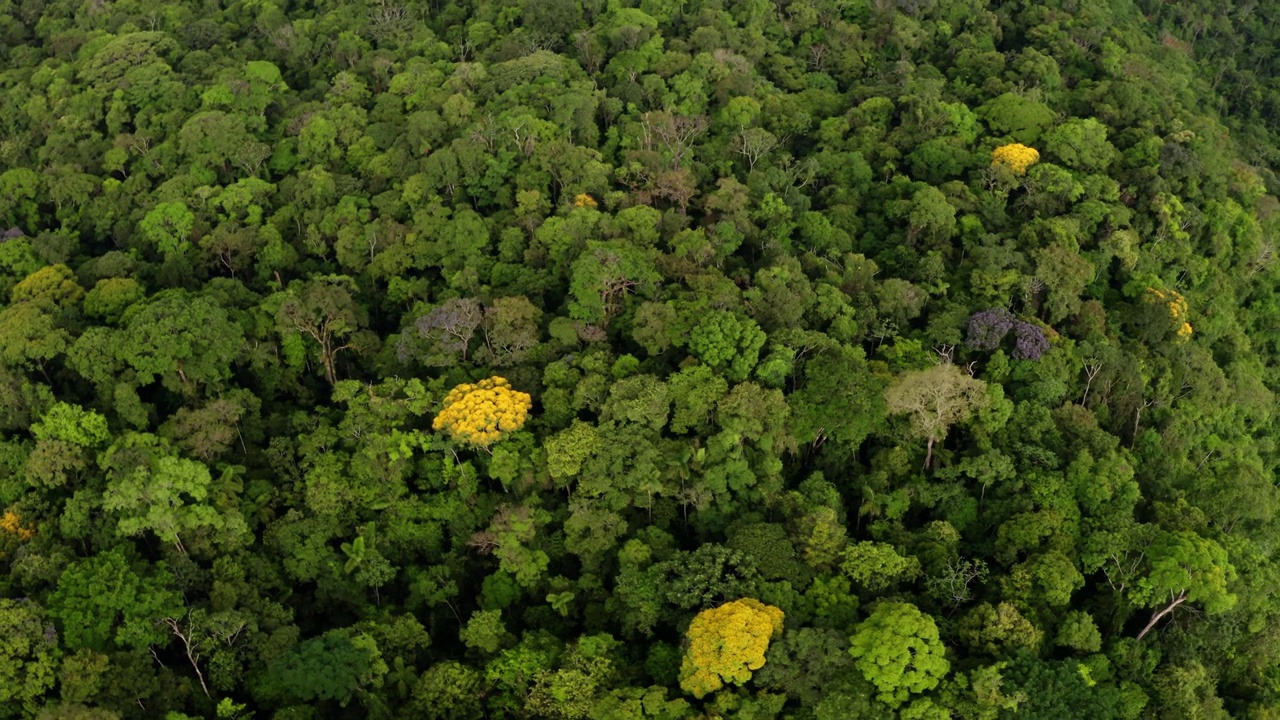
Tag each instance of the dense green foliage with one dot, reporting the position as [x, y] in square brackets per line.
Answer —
[998, 439]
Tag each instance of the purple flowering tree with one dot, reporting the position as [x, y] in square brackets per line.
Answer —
[988, 328]
[1029, 342]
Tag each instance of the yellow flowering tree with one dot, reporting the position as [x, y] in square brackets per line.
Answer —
[726, 644]
[1016, 156]
[1177, 306]
[12, 532]
[584, 200]
[480, 413]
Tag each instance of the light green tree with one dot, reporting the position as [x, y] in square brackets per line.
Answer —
[168, 226]
[66, 437]
[569, 448]
[29, 336]
[898, 650]
[876, 566]
[932, 218]
[168, 497]
[999, 629]
[1081, 144]
[1184, 568]
[695, 390]
[644, 400]
[449, 690]
[110, 297]
[52, 286]
[485, 631]
[72, 424]
[1017, 117]
[603, 276]
[1079, 632]
[1065, 274]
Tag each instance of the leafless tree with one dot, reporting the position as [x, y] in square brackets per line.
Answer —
[753, 144]
[452, 324]
[187, 636]
[952, 583]
[1090, 371]
[676, 133]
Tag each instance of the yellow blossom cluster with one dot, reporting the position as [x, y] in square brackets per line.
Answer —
[11, 524]
[1177, 309]
[1016, 156]
[12, 532]
[727, 643]
[480, 413]
[584, 200]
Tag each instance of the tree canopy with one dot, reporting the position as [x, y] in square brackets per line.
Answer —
[536, 359]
